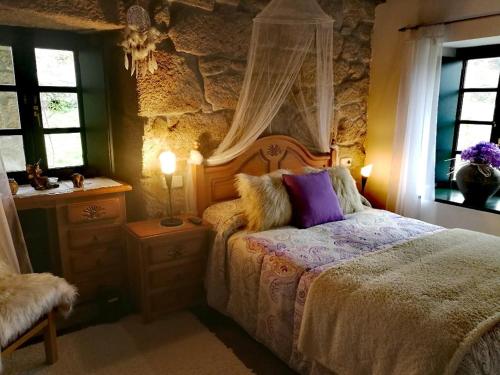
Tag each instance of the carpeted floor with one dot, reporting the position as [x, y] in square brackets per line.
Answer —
[176, 344]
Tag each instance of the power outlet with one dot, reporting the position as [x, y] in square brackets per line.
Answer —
[346, 162]
[177, 182]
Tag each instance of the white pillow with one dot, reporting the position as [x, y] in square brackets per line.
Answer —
[265, 200]
[345, 188]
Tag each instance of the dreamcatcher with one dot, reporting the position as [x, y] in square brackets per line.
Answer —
[139, 42]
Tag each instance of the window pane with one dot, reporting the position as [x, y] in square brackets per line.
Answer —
[55, 67]
[478, 106]
[6, 66]
[12, 150]
[482, 73]
[470, 135]
[63, 150]
[9, 111]
[60, 110]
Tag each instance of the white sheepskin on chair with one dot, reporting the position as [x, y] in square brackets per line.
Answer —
[25, 298]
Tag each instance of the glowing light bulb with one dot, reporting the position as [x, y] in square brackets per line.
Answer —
[366, 171]
[168, 162]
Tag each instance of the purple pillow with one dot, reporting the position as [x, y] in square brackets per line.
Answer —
[313, 199]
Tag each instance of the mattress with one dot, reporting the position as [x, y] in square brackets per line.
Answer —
[261, 280]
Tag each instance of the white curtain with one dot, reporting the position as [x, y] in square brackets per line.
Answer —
[290, 60]
[412, 178]
[12, 246]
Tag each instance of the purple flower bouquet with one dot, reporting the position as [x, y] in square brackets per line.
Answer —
[483, 153]
[480, 179]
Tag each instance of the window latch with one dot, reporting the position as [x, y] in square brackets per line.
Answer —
[36, 114]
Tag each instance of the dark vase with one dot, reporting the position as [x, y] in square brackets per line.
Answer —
[478, 182]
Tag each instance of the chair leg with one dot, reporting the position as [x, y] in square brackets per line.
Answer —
[50, 339]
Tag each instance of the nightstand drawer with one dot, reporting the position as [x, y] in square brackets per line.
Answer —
[94, 260]
[177, 276]
[87, 212]
[171, 249]
[174, 299]
[96, 236]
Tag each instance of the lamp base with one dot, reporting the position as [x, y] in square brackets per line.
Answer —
[171, 222]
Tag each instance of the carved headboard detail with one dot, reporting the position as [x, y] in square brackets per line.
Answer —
[216, 184]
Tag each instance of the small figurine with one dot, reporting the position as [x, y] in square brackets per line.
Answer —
[77, 179]
[14, 186]
[36, 179]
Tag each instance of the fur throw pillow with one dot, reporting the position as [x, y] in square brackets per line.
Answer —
[265, 200]
[345, 187]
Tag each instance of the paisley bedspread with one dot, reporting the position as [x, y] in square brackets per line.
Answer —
[261, 280]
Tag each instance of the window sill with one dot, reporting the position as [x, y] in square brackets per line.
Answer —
[455, 198]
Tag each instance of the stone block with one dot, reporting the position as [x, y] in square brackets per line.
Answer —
[254, 6]
[340, 71]
[178, 133]
[162, 15]
[225, 32]
[203, 4]
[351, 92]
[210, 66]
[233, 3]
[223, 90]
[172, 89]
[350, 131]
[364, 31]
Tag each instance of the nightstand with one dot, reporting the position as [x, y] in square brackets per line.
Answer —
[166, 265]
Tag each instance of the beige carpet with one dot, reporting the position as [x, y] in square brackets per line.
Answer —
[176, 344]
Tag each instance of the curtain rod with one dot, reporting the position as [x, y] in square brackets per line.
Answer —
[414, 27]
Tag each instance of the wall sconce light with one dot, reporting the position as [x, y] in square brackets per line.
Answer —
[366, 171]
[168, 163]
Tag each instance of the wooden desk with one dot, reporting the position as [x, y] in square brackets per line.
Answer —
[89, 242]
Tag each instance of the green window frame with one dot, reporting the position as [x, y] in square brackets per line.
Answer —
[451, 104]
[34, 132]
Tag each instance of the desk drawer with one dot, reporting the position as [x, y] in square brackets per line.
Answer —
[95, 236]
[170, 249]
[92, 211]
[94, 260]
[177, 276]
[89, 289]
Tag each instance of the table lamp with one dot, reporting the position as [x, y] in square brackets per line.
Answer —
[366, 171]
[168, 163]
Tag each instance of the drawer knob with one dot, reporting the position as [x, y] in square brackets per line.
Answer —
[175, 253]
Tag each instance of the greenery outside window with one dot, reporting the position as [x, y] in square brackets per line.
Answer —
[40, 100]
[53, 103]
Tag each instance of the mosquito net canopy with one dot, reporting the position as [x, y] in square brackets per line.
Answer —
[288, 85]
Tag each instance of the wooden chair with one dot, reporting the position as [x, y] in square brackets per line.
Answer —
[46, 326]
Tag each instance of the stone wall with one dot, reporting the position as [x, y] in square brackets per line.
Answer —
[193, 95]
[64, 14]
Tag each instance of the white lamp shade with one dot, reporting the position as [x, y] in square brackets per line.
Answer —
[366, 171]
[168, 162]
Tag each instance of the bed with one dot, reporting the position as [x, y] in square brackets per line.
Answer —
[262, 280]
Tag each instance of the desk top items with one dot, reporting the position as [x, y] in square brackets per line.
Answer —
[14, 186]
[77, 180]
[36, 179]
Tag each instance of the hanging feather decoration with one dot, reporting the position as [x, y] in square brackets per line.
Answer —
[139, 44]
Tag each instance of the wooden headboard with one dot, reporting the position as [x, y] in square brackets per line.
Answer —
[216, 184]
